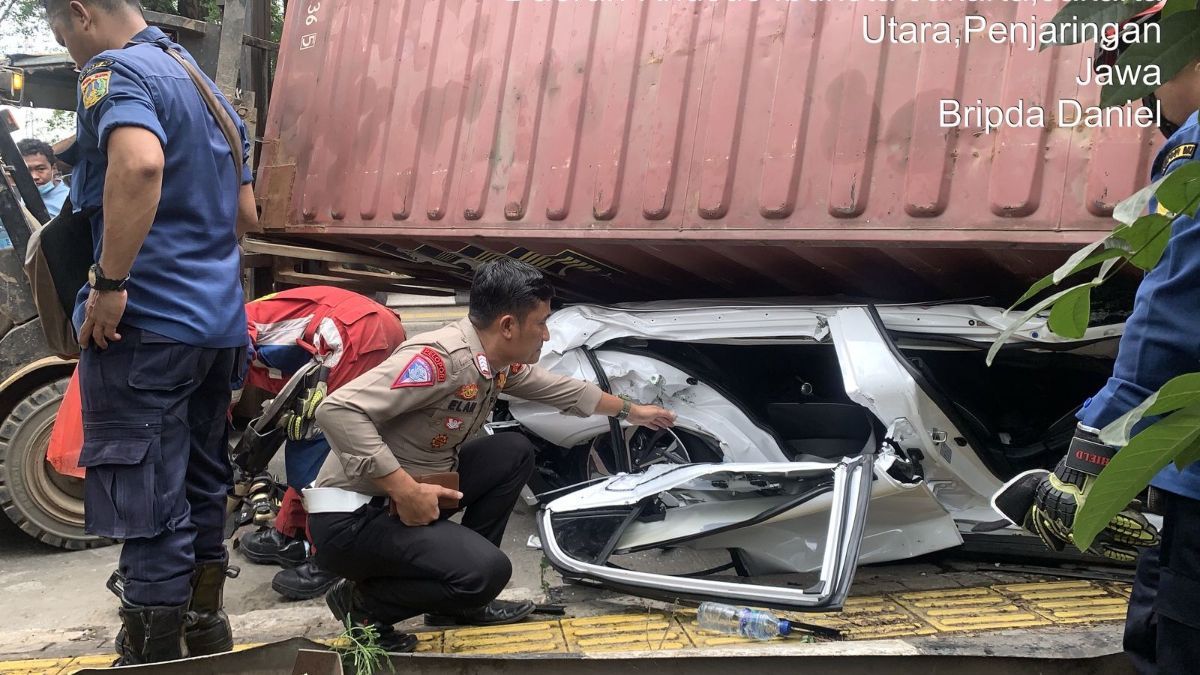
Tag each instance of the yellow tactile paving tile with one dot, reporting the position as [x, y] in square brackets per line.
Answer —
[429, 642]
[521, 638]
[624, 632]
[891, 615]
[36, 666]
[102, 661]
[869, 618]
[969, 609]
[1121, 588]
[1069, 601]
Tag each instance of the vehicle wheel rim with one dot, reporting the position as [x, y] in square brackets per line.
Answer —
[58, 495]
[675, 452]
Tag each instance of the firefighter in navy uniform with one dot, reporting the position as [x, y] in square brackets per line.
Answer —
[374, 519]
[161, 321]
[1160, 342]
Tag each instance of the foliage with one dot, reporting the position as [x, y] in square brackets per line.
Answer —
[360, 646]
[1139, 239]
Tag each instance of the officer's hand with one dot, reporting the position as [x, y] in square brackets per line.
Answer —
[418, 505]
[1045, 503]
[103, 312]
[651, 416]
[1060, 496]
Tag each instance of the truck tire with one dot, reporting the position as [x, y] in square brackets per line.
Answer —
[44, 503]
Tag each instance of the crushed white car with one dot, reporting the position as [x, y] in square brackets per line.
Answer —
[810, 438]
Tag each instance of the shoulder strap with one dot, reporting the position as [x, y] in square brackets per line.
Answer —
[218, 111]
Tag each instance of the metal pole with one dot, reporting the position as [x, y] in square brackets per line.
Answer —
[11, 156]
[229, 50]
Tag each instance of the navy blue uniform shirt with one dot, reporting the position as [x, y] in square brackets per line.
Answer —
[1162, 335]
[185, 283]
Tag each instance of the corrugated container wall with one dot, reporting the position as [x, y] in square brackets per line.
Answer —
[670, 148]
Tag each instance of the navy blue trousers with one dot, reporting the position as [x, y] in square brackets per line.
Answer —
[155, 448]
[1162, 628]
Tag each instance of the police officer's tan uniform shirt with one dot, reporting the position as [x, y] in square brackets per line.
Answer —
[415, 409]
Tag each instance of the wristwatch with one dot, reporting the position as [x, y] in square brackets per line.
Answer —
[626, 406]
[98, 281]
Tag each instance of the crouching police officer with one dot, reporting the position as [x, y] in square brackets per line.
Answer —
[400, 434]
[161, 321]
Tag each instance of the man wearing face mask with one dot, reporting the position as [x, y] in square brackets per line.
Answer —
[39, 160]
[405, 458]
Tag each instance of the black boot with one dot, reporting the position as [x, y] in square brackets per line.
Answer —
[150, 635]
[346, 605]
[208, 630]
[495, 613]
[303, 582]
[268, 546]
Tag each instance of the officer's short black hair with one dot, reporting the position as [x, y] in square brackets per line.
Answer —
[110, 5]
[33, 146]
[506, 286]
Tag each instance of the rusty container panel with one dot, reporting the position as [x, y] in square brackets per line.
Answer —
[688, 148]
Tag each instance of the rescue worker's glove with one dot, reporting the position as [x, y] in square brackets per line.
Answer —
[299, 422]
[1045, 503]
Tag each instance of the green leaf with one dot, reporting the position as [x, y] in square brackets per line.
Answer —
[1192, 454]
[1131, 470]
[1070, 315]
[1134, 206]
[1179, 392]
[1180, 192]
[1065, 271]
[1081, 12]
[1176, 6]
[1029, 314]
[1077, 257]
[1179, 46]
[1147, 239]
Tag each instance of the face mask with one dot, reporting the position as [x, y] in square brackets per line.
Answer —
[45, 189]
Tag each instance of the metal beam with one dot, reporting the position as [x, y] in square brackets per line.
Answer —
[307, 279]
[252, 245]
[229, 54]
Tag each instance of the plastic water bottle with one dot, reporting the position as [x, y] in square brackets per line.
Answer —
[758, 624]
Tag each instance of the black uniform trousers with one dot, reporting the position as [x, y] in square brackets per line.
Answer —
[401, 571]
[155, 448]
[1162, 628]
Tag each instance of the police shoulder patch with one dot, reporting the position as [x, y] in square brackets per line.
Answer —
[1182, 151]
[94, 87]
[93, 66]
[418, 373]
[439, 365]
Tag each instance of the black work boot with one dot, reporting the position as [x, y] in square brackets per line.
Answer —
[303, 582]
[268, 546]
[346, 605]
[150, 635]
[495, 613]
[208, 630]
